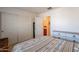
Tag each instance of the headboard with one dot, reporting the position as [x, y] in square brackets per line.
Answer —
[73, 36]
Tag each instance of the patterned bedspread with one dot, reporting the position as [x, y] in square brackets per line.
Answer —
[46, 44]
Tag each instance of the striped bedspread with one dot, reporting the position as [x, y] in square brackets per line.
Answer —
[45, 44]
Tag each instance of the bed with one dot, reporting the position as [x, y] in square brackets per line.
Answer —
[46, 44]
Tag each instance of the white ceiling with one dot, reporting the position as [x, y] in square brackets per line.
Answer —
[35, 9]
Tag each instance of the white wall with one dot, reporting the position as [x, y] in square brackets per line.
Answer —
[17, 24]
[64, 19]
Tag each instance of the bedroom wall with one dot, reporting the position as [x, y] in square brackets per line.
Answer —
[17, 24]
[63, 19]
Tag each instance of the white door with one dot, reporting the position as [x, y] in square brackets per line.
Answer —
[9, 27]
[24, 28]
[17, 28]
[21, 29]
[38, 27]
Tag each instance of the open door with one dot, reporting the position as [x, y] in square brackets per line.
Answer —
[46, 26]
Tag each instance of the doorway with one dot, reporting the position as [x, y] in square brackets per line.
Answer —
[46, 26]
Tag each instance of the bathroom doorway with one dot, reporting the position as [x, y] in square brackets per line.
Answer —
[46, 26]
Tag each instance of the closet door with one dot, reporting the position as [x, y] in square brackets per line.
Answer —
[17, 28]
[21, 29]
[24, 28]
[9, 27]
[30, 28]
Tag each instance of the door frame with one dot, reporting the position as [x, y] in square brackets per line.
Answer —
[33, 29]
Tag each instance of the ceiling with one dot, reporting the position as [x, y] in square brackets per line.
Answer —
[35, 9]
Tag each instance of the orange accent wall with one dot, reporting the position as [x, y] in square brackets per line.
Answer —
[46, 24]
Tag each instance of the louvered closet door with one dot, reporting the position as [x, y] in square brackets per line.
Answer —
[9, 27]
